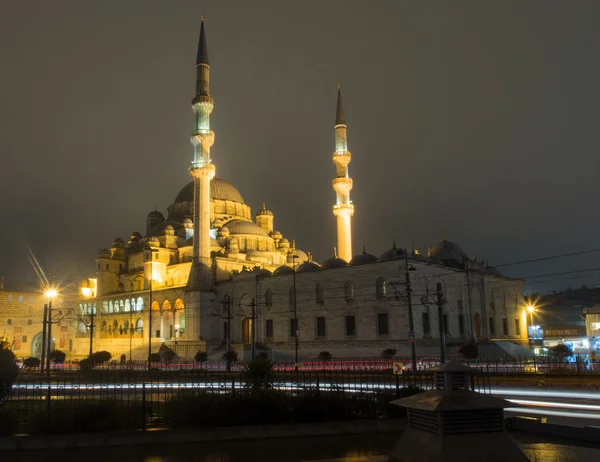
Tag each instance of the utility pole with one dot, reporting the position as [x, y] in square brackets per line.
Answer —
[92, 329]
[294, 256]
[411, 319]
[228, 302]
[440, 305]
[49, 345]
[44, 323]
[253, 327]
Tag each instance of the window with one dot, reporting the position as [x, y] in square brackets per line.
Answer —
[348, 291]
[157, 333]
[140, 304]
[139, 326]
[31, 299]
[382, 323]
[459, 306]
[350, 325]
[9, 321]
[291, 295]
[268, 297]
[596, 325]
[293, 328]
[517, 327]
[21, 299]
[107, 266]
[505, 326]
[426, 326]
[446, 330]
[380, 288]
[319, 296]
[320, 326]
[105, 307]
[10, 298]
[24, 338]
[461, 325]
[29, 322]
[269, 328]
[492, 326]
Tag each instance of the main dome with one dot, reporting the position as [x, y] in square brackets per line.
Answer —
[219, 190]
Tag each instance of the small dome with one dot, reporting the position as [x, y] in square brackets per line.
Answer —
[253, 253]
[284, 243]
[308, 267]
[245, 227]
[363, 258]
[334, 262]
[264, 211]
[169, 230]
[156, 214]
[135, 236]
[276, 235]
[283, 270]
[223, 231]
[119, 243]
[449, 253]
[392, 254]
[104, 253]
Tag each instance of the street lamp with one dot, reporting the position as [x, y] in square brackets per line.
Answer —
[50, 293]
[530, 309]
[90, 292]
[411, 319]
[152, 252]
[294, 256]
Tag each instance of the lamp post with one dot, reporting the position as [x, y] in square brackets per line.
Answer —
[50, 293]
[411, 320]
[530, 309]
[88, 293]
[131, 316]
[152, 251]
[294, 256]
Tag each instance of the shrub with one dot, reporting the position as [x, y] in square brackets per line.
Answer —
[469, 350]
[100, 357]
[57, 356]
[258, 374]
[561, 352]
[230, 356]
[123, 359]
[31, 362]
[388, 353]
[201, 356]
[324, 356]
[86, 364]
[154, 358]
[262, 355]
[8, 369]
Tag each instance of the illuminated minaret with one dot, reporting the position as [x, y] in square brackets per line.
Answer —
[342, 184]
[201, 169]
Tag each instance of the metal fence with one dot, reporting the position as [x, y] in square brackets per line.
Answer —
[135, 402]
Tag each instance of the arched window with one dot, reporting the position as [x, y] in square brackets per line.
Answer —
[110, 307]
[178, 305]
[21, 299]
[133, 308]
[380, 288]
[116, 306]
[126, 326]
[268, 297]
[291, 295]
[10, 298]
[81, 309]
[139, 326]
[127, 306]
[115, 326]
[348, 291]
[82, 328]
[166, 306]
[104, 307]
[122, 305]
[103, 326]
[319, 294]
[94, 308]
[140, 304]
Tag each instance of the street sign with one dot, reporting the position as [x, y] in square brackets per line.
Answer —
[397, 368]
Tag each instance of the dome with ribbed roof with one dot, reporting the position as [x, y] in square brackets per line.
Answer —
[245, 227]
[283, 270]
[219, 190]
[363, 258]
[449, 253]
[307, 267]
[334, 262]
[392, 254]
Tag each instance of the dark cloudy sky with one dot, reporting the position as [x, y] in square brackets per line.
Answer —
[478, 118]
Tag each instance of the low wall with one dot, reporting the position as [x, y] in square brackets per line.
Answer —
[89, 440]
[537, 426]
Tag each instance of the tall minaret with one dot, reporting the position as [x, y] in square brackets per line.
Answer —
[342, 184]
[202, 170]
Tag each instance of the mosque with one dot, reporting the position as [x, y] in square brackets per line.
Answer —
[209, 276]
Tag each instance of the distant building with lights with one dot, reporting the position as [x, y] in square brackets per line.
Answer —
[209, 268]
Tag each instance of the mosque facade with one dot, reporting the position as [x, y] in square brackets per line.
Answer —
[209, 275]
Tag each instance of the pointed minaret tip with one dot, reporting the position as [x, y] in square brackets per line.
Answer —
[340, 119]
[202, 56]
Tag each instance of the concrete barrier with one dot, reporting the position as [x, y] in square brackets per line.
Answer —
[541, 427]
[89, 440]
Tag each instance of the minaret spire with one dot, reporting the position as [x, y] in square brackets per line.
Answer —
[202, 170]
[342, 183]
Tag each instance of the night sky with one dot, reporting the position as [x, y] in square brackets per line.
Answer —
[473, 118]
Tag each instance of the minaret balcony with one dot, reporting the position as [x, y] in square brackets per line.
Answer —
[343, 209]
[201, 101]
[342, 159]
[202, 137]
[342, 186]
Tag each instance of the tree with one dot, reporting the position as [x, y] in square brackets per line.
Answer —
[469, 350]
[388, 353]
[31, 362]
[324, 356]
[57, 356]
[230, 356]
[100, 357]
[201, 356]
[561, 352]
[8, 369]
[154, 358]
[259, 374]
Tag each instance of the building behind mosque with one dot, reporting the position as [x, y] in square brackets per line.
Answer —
[209, 269]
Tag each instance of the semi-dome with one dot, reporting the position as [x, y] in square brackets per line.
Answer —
[449, 252]
[392, 254]
[308, 267]
[219, 190]
[363, 259]
[245, 227]
[334, 262]
[283, 270]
